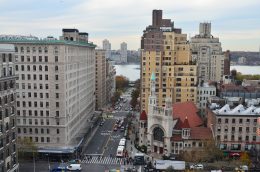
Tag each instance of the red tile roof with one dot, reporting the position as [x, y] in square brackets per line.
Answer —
[189, 110]
[143, 116]
[178, 125]
[185, 123]
[200, 133]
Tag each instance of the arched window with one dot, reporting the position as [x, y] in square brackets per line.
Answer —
[158, 134]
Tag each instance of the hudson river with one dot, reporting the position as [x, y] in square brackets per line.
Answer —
[132, 71]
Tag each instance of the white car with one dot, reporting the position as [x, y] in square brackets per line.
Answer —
[197, 166]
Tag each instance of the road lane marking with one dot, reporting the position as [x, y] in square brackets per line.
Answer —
[108, 139]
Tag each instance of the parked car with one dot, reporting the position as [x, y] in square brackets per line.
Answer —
[74, 167]
[197, 166]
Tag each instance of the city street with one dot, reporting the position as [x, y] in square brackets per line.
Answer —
[100, 153]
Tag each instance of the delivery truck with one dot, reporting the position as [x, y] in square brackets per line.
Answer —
[161, 165]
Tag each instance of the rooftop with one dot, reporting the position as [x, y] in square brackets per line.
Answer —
[16, 39]
[187, 110]
[238, 110]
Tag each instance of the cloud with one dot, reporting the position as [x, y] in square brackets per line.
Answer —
[124, 20]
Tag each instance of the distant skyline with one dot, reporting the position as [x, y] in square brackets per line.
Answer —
[235, 22]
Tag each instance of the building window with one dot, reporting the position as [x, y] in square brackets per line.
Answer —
[56, 57]
[158, 134]
[226, 120]
[40, 58]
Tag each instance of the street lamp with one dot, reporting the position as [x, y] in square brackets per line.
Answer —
[49, 166]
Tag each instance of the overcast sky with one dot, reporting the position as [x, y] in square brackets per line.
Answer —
[235, 22]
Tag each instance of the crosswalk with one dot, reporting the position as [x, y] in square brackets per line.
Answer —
[103, 160]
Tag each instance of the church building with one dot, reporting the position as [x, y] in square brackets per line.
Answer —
[173, 128]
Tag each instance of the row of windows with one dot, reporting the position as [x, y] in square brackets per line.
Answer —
[34, 59]
[34, 68]
[35, 104]
[39, 139]
[33, 112]
[36, 49]
[239, 138]
[233, 120]
[7, 56]
[33, 86]
[36, 130]
[35, 122]
[40, 77]
[235, 129]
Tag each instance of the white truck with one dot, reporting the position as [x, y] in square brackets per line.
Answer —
[164, 164]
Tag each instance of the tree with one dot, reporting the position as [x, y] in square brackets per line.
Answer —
[115, 97]
[121, 82]
[134, 95]
[245, 159]
[211, 151]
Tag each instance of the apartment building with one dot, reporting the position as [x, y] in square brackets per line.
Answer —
[8, 146]
[235, 128]
[55, 89]
[123, 52]
[101, 98]
[110, 80]
[107, 47]
[204, 91]
[207, 51]
[166, 52]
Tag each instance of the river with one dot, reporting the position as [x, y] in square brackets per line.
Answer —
[132, 71]
[253, 70]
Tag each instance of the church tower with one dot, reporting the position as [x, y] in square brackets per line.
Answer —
[152, 97]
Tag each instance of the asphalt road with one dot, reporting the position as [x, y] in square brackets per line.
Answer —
[100, 139]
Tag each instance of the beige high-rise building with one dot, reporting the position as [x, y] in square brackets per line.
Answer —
[55, 89]
[207, 51]
[166, 52]
[101, 99]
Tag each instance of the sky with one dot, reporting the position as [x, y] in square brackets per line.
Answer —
[235, 22]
